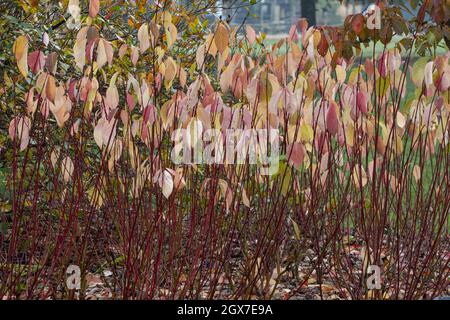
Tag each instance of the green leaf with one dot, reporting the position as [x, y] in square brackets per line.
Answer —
[417, 73]
[381, 86]
[296, 229]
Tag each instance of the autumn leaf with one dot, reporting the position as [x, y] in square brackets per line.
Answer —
[340, 73]
[226, 192]
[245, 199]
[51, 62]
[94, 8]
[401, 120]
[418, 71]
[251, 34]
[134, 55]
[20, 50]
[36, 61]
[221, 38]
[417, 173]
[358, 23]
[296, 153]
[428, 74]
[200, 56]
[171, 34]
[101, 54]
[50, 88]
[19, 127]
[67, 168]
[322, 47]
[332, 120]
[79, 49]
[361, 102]
[166, 183]
[144, 38]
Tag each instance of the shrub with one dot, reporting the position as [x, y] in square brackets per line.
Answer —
[362, 178]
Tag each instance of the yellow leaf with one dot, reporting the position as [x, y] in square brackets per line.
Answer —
[296, 229]
[340, 73]
[245, 198]
[194, 132]
[398, 144]
[171, 34]
[79, 53]
[285, 176]
[170, 72]
[357, 178]
[20, 50]
[350, 135]
[401, 121]
[200, 56]
[418, 71]
[417, 173]
[306, 132]
[226, 192]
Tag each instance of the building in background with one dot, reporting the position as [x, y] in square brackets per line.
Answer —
[276, 16]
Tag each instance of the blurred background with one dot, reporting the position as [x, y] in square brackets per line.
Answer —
[275, 17]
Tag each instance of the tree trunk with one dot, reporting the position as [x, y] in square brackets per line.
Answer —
[309, 11]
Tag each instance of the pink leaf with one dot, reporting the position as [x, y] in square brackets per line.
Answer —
[361, 102]
[296, 153]
[20, 127]
[36, 60]
[332, 121]
[382, 65]
[149, 114]
[130, 101]
[444, 81]
[251, 35]
[94, 8]
[293, 35]
[72, 90]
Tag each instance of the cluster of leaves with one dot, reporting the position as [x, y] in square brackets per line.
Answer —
[90, 142]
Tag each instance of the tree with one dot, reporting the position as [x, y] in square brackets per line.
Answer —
[309, 11]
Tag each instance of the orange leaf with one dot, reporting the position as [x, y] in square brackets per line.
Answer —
[322, 47]
[50, 88]
[358, 23]
[221, 38]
